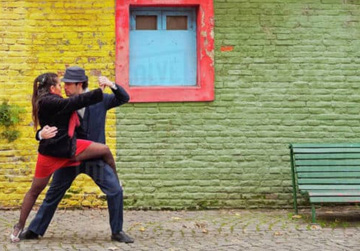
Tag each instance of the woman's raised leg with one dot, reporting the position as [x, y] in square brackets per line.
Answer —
[95, 151]
[37, 187]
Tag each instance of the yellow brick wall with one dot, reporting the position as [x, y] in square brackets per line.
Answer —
[41, 36]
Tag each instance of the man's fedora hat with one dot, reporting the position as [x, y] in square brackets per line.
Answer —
[74, 74]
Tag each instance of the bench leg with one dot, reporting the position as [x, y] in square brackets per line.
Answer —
[295, 202]
[293, 180]
[313, 213]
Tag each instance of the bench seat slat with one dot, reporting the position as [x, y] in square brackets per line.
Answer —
[300, 169]
[335, 199]
[307, 187]
[333, 193]
[319, 156]
[328, 181]
[326, 174]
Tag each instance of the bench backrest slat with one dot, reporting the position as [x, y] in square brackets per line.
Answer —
[305, 169]
[327, 162]
[330, 145]
[328, 181]
[319, 156]
[326, 150]
[329, 187]
[328, 175]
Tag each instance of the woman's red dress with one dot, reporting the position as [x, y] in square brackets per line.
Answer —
[47, 165]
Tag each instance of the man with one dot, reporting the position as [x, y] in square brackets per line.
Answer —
[92, 121]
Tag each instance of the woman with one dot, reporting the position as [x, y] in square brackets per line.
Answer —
[49, 108]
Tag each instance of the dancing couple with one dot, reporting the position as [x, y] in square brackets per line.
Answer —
[72, 141]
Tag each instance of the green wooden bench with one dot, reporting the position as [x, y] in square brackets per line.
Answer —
[326, 173]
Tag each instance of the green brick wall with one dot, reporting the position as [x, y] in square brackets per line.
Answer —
[286, 71]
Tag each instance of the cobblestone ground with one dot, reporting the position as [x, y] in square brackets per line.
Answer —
[338, 229]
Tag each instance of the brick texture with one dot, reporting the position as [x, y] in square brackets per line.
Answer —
[38, 37]
[291, 75]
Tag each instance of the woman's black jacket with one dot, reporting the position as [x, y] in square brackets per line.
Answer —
[56, 111]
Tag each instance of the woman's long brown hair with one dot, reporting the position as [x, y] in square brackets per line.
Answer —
[41, 87]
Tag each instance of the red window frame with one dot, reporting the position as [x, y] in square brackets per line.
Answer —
[204, 90]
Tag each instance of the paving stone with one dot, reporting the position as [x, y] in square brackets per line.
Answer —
[189, 230]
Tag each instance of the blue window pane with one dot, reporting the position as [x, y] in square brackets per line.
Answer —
[164, 57]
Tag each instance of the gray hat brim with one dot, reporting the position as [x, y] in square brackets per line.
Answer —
[73, 80]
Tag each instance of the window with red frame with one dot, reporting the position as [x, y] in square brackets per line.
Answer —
[165, 51]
